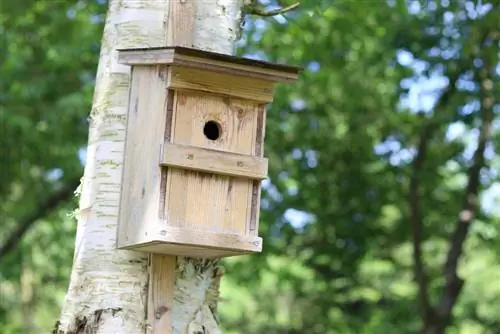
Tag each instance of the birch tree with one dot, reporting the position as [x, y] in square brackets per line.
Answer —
[108, 288]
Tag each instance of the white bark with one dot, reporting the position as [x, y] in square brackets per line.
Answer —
[108, 288]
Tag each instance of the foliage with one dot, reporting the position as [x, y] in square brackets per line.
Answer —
[49, 54]
[380, 82]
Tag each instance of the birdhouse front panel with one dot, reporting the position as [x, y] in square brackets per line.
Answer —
[194, 152]
[217, 200]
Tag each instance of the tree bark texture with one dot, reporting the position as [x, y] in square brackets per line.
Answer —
[109, 287]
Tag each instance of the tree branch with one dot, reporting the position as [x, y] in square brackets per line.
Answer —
[453, 284]
[416, 225]
[253, 8]
[426, 133]
[43, 208]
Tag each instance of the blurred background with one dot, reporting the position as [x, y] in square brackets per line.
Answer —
[375, 164]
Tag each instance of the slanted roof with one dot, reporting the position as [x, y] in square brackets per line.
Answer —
[210, 61]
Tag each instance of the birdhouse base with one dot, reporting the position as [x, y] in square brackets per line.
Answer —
[196, 243]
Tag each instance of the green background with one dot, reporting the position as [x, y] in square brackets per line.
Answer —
[336, 221]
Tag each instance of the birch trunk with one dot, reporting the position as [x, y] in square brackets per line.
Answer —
[108, 288]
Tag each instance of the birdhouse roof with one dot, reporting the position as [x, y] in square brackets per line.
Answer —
[210, 61]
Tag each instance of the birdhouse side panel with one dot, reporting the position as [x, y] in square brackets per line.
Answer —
[253, 225]
[210, 201]
[146, 118]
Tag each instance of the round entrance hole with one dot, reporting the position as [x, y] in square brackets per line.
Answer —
[212, 130]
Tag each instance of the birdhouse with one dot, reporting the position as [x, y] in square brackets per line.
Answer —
[194, 162]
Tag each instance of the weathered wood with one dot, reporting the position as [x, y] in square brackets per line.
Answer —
[214, 62]
[253, 227]
[160, 296]
[165, 249]
[180, 28]
[168, 239]
[182, 78]
[212, 161]
[164, 181]
[212, 184]
[140, 193]
[190, 189]
[209, 202]
[180, 25]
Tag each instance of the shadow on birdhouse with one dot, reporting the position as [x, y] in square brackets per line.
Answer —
[194, 151]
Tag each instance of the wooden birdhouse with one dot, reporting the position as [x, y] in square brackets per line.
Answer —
[194, 151]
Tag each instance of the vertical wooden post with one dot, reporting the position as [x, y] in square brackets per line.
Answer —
[160, 294]
[179, 25]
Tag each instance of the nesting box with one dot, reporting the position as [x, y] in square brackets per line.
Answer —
[194, 151]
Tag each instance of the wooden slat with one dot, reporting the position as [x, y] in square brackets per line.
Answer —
[234, 69]
[180, 28]
[234, 242]
[191, 242]
[215, 62]
[140, 195]
[159, 248]
[212, 161]
[161, 283]
[248, 88]
[181, 23]
[253, 227]
[142, 57]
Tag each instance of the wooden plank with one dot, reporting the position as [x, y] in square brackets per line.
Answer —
[253, 228]
[160, 297]
[135, 57]
[195, 237]
[216, 67]
[180, 29]
[219, 83]
[212, 161]
[180, 25]
[140, 194]
[164, 181]
[186, 238]
[209, 60]
[167, 249]
[233, 69]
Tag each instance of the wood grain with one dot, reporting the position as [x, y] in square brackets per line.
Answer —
[180, 28]
[253, 225]
[202, 252]
[212, 161]
[184, 194]
[162, 120]
[182, 241]
[140, 193]
[213, 62]
[223, 241]
[181, 20]
[160, 298]
[207, 81]
[211, 203]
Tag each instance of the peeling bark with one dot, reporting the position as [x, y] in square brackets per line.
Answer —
[88, 325]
